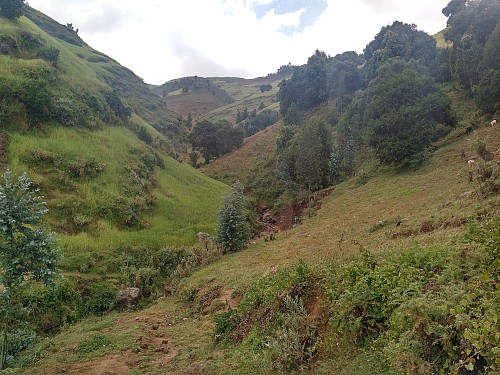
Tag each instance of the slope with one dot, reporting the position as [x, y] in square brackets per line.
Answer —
[216, 98]
[95, 140]
[419, 209]
[131, 88]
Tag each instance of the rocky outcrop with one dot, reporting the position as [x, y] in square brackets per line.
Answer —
[127, 298]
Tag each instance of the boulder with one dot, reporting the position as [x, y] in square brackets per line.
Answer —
[128, 297]
[202, 237]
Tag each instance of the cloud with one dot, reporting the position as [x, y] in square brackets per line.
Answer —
[309, 12]
[166, 39]
[105, 19]
[195, 62]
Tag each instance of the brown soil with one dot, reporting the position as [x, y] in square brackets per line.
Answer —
[111, 364]
[285, 219]
[206, 296]
[4, 147]
[152, 347]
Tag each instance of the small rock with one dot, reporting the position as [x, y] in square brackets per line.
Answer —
[202, 237]
[197, 368]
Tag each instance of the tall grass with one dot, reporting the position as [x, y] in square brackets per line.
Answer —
[185, 203]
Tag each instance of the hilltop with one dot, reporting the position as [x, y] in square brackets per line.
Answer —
[216, 98]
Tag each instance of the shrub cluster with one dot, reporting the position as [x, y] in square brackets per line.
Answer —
[272, 323]
[426, 310]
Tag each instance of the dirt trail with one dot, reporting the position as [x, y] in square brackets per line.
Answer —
[152, 347]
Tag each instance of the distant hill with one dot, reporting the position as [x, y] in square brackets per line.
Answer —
[216, 98]
[194, 95]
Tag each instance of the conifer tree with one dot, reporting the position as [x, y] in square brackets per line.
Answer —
[233, 231]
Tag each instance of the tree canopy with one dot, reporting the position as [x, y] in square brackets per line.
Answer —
[11, 9]
[405, 111]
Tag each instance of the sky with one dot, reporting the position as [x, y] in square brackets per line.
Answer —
[160, 40]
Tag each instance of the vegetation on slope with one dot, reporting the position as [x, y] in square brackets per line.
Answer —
[381, 280]
[95, 141]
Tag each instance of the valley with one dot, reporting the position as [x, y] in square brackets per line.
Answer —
[364, 240]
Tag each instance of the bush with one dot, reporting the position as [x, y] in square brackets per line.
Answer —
[51, 307]
[273, 324]
[102, 296]
[23, 338]
[426, 310]
[66, 111]
[50, 54]
[293, 343]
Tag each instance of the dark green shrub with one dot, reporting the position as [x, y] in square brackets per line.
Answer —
[50, 54]
[23, 338]
[144, 135]
[121, 111]
[101, 298]
[36, 98]
[66, 111]
[51, 307]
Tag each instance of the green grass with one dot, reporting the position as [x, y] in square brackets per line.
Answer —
[185, 202]
[324, 241]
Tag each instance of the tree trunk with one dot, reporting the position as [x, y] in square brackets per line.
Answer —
[3, 356]
[309, 201]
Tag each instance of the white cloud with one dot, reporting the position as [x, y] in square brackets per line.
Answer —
[161, 40]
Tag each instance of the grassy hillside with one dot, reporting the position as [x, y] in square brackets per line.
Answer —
[108, 181]
[84, 62]
[421, 210]
[253, 163]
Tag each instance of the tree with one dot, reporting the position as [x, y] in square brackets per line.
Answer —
[405, 111]
[233, 231]
[312, 153]
[27, 248]
[307, 87]
[11, 9]
[228, 137]
[399, 40]
[203, 138]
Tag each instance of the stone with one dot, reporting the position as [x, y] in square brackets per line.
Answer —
[202, 237]
[128, 297]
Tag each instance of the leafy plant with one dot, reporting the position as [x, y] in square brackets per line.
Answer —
[101, 298]
[27, 249]
[233, 231]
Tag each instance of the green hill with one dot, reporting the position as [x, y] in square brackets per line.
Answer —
[217, 98]
[109, 179]
[394, 270]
